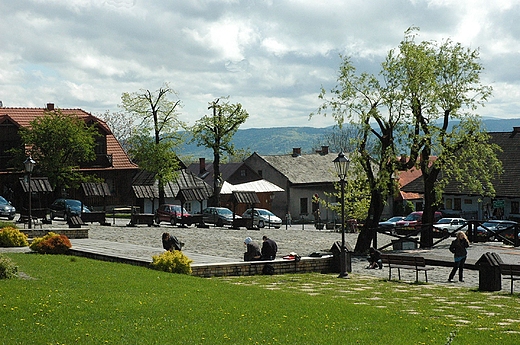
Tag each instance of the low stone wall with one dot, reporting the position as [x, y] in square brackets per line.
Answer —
[69, 232]
[305, 265]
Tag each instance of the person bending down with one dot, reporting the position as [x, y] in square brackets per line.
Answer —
[171, 242]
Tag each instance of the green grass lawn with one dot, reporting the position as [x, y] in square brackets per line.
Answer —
[70, 300]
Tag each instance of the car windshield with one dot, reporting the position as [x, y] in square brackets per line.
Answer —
[444, 221]
[266, 213]
[394, 219]
[224, 212]
[74, 203]
[3, 201]
[413, 216]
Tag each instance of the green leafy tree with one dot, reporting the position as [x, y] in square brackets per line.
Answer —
[423, 88]
[216, 132]
[438, 85]
[156, 116]
[59, 143]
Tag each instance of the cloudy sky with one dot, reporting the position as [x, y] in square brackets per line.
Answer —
[272, 56]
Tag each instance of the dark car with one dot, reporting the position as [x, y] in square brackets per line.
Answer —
[389, 224]
[219, 216]
[6, 209]
[486, 229]
[65, 208]
[173, 214]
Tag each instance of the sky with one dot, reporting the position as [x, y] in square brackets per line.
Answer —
[271, 56]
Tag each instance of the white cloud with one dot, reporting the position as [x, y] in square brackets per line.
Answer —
[271, 56]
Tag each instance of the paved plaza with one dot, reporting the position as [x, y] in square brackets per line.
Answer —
[226, 245]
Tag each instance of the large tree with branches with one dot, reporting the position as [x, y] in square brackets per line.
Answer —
[153, 143]
[216, 132]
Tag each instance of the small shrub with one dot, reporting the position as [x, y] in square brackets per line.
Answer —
[7, 268]
[12, 237]
[173, 262]
[51, 244]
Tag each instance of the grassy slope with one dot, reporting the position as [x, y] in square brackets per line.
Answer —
[77, 300]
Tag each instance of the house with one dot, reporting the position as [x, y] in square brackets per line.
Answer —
[112, 164]
[505, 204]
[237, 177]
[305, 179]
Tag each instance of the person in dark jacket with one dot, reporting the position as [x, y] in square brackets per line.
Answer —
[269, 249]
[171, 242]
[458, 248]
[253, 250]
[374, 258]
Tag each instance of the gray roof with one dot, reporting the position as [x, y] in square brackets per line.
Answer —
[306, 168]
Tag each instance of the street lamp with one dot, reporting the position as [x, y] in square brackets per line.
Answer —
[341, 163]
[29, 166]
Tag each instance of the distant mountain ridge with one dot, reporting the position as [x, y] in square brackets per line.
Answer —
[281, 140]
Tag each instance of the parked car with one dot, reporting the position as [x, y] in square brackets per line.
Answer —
[263, 217]
[484, 231]
[389, 224]
[413, 221]
[6, 209]
[65, 208]
[173, 214]
[445, 226]
[219, 216]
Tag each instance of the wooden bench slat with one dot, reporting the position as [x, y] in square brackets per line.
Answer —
[511, 272]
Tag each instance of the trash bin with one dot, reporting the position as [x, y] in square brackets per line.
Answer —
[336, 254]
[489, 278]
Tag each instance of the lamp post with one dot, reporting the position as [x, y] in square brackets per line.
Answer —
[29, 166]
[341, 163]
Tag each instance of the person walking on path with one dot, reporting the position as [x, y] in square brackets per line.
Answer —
[458, 248]
[269, 249]
[253, 250]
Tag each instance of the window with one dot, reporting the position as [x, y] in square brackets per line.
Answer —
[468, 201]
[304, 208]
[457, 205]
[260, 173]
[515, 207]
[187, 206]
[449, 204]
[243, 172]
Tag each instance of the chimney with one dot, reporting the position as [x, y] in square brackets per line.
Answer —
[202, 165]
[324, 150]
[50, 106]
[296, 151]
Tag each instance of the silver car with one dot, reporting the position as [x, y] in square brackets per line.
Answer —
[263, 217]
[6, 209]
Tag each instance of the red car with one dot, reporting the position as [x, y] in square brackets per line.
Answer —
[173, 214]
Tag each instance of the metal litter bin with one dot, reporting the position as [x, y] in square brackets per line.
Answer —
[489, 278]
[336, 253]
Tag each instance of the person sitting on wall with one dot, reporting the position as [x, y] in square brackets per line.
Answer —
[253, 250]
[171, 243]
[374, 258]
[269, 249]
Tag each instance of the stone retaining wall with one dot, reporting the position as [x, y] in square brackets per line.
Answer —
[305, 265]
[69, 232]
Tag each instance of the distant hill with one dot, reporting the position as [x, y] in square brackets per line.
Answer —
[281, 140]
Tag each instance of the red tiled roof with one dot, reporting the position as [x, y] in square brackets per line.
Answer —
[24, 116]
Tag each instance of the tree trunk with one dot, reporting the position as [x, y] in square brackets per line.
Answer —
[369, 229]
[429, 209]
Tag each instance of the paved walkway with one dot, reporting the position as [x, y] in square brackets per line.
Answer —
[216, 245]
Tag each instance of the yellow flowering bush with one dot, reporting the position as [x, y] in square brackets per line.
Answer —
[12, 237]
[51, 244]
[7, 268]
[173, 262]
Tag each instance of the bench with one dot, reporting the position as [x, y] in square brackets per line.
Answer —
[415, 263]
[511, 272]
